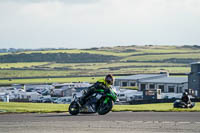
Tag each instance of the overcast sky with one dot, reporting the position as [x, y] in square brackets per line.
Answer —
[97, 23]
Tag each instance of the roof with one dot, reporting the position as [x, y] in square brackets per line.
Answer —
[167, 80]
[195, 63]
[139, 76]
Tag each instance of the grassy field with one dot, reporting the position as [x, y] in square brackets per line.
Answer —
[49, 80]
[89, 72]
[93, 66]
[76, 51]
[89, 66]
[93, 69]
[33, 73]
[160, 107]
[166, 49]
[150, 61]
[162, 57]
[122, 51]
[13, 107]
[80, 72]
[22, 65]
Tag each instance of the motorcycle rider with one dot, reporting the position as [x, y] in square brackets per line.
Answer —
[100, 84]
[186, 99]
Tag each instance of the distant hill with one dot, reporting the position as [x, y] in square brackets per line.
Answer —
[148, 53]
[56, 57]
[119, 60]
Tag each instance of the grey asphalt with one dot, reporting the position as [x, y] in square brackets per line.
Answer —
[118, 122]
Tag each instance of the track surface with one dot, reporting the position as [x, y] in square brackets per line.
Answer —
[118, 122]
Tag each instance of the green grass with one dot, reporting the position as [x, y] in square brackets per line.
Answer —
[76, 51]
[159, 107]
[33, 73]
[162, 57]
[165, 49]
[30, 73]
[147, 62]
[14, 107]
[90, 69]
[21, 65]
[93, 66]
[152, 70]
[49, 80]
[120, 51]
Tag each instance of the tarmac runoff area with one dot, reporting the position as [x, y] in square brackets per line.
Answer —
[114, 122]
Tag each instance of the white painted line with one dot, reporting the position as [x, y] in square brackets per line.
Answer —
[167, 122]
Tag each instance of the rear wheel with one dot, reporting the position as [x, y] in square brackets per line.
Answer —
[74, 108]
[104, 108]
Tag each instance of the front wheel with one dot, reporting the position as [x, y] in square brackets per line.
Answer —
[74, 108]
[104, 108]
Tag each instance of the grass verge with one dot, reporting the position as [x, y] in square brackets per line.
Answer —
[159, 107]
[14, 107]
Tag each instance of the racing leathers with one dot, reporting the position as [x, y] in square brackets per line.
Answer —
[100, 84]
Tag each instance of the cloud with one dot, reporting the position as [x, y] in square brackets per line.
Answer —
[86, 23]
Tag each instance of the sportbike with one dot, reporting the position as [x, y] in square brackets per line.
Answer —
[100, 102]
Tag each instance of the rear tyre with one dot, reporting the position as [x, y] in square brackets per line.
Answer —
[104, 108]
[74, 108]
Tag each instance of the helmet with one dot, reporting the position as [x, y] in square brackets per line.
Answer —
[109, 79]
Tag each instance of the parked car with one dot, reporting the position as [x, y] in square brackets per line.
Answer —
[40, 100]
[54, 99]
[45, 92]
[30, 90]
[47, 100]
[63, 100]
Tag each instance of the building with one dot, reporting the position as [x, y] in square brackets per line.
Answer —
[194, 79]
[134, 80]
[163, 82]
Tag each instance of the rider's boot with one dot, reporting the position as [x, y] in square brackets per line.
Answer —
[81, 101]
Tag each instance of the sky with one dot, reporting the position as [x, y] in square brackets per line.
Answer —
[98, 23]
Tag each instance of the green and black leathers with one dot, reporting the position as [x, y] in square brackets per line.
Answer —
[100, 84]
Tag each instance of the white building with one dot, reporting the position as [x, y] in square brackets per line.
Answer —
[164, 82]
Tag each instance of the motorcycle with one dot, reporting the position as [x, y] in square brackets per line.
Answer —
[100, 102]
[180, 104]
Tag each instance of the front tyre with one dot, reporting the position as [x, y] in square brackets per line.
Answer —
[74, 108]
[104, 108]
